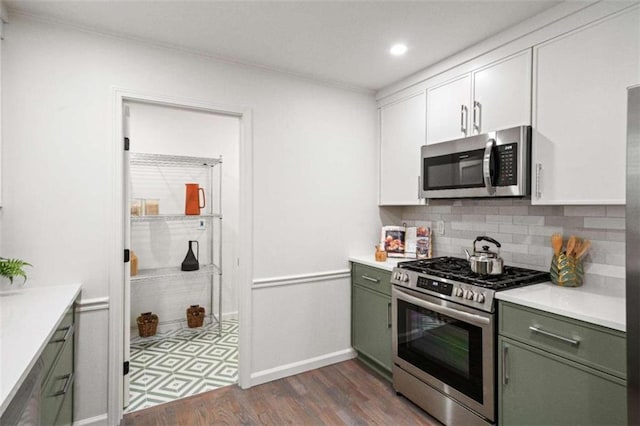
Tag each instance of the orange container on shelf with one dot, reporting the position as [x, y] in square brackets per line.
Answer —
[192, 199]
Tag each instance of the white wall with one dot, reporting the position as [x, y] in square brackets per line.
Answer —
[176, 131]
[314, 168]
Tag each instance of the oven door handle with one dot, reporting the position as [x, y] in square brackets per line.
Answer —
[453, 313]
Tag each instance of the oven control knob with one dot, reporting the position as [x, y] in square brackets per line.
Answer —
[457, 292]
[468, 294]
[479, 297]
[396, 275]
[404, 277]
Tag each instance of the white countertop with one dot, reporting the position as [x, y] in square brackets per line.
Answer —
[573, 302]
[28, 319]
[370, 260]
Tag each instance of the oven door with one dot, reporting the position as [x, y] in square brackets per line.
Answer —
[446, 345]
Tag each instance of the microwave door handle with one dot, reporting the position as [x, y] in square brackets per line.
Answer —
[486, 166]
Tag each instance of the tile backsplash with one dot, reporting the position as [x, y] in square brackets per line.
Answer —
[524, 231]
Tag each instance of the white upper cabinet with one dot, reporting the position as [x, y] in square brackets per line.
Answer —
[580, 112]
[448, 110]
[502, 94]
[494, 97]
[402, 133]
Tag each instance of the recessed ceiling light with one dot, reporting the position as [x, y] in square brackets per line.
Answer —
[398, 49]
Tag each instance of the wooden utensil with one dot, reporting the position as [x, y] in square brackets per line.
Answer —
[583, 249]
[571, 245]
[556, 243]
[576, 247]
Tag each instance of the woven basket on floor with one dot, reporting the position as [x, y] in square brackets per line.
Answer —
[195, 316]
[147, 324]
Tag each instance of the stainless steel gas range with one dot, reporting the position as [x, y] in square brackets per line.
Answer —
[444, 336]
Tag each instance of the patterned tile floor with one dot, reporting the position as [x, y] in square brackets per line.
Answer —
[182, 363]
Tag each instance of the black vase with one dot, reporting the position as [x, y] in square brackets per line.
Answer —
[190, 262]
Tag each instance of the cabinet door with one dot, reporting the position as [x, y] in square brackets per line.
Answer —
[537, 388]
[448, 110]
[579, 112]
[371, 325]
[502, 94]
[402, 130]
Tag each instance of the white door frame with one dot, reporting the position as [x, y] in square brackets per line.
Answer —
[115, 248]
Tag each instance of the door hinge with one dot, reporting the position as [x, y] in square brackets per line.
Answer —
[127, 255]
[125, 368]
[126, 144]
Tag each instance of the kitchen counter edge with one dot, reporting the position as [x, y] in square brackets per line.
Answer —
[572, 302]
[51, 303]
[370, 260]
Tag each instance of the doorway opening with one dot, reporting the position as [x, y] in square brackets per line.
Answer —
[181, 221]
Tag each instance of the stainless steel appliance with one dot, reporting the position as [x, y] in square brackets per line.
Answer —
[633, 255]
[444, 336]
[495, 164]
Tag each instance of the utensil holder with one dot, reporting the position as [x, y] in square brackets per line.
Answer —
[147, 324]
[566, 271]
[195, 316]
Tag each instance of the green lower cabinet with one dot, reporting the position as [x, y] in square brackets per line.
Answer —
[65, 416]
[371, 328]
[56, 400]
[538, 388]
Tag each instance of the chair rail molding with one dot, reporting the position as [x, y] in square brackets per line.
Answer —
[261, 283]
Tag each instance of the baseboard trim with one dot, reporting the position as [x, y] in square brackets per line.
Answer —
[287, 370]
[300, 279]
[101, 420]
[95, 304]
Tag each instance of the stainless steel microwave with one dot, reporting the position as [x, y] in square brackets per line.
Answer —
[495, 164]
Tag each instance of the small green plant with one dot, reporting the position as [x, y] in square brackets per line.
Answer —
[11, 268]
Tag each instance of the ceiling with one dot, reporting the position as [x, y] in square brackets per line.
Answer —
[343, 42]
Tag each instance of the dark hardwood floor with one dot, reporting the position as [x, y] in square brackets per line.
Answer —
[347, 393]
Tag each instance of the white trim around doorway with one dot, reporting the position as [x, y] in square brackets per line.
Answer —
[116, 244]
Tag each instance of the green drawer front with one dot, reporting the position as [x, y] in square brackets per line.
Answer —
[65, 416]
[58, 384]
[598, 347]
[50, 352]
[373, 278]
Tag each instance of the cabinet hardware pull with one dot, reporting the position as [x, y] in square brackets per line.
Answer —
[389, 315]
[373, 280]
[68, 333]
[478, 117]
[538, 180]
[68, 381]
[463, 119]
[505, 368]
[555, 336]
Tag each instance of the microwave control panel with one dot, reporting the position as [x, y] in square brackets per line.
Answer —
[507, 164]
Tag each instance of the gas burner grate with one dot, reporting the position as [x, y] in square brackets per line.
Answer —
[457, 269]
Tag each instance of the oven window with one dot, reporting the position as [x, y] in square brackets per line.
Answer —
[445, 348]
[460, 170]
